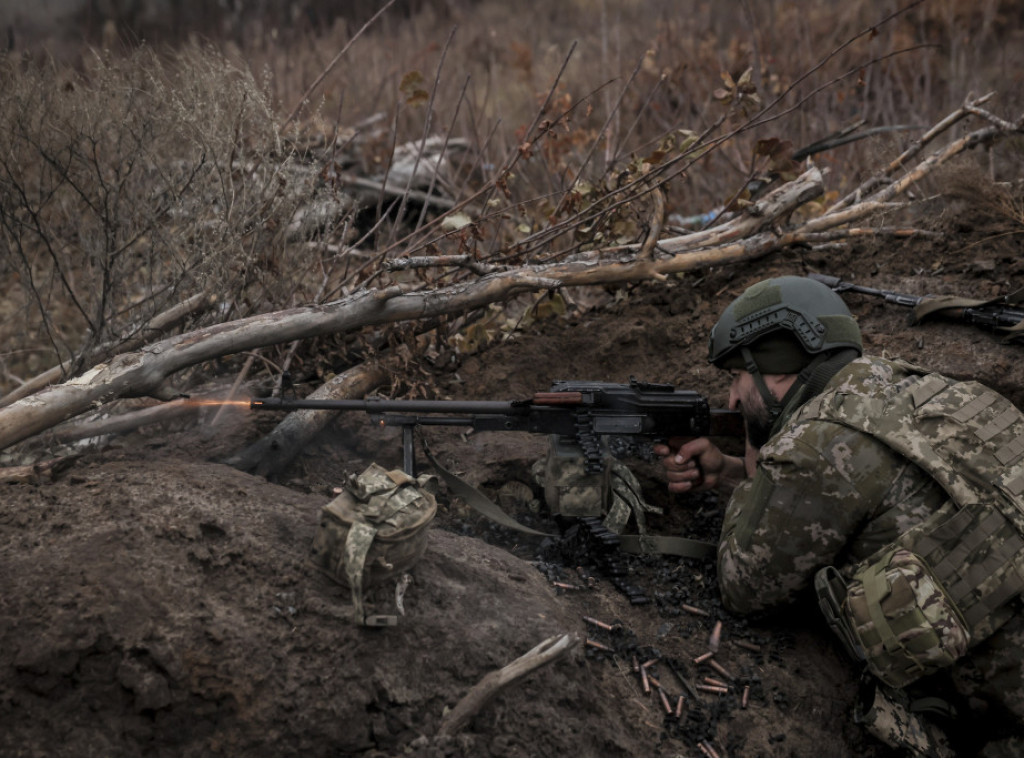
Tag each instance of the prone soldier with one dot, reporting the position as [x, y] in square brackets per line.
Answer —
[894, 493]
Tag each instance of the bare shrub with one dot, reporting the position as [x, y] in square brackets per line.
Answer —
[131, 186]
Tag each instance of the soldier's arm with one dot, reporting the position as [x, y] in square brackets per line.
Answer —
[800, 510]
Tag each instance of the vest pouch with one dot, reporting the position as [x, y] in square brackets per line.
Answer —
[375, 530]
[902, 618]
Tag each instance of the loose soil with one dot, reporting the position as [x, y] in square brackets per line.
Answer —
[158, 602]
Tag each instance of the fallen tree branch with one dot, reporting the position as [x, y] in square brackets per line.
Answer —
[145, 372]
[36, 472]
[272, 454]
[873, 182]
[778, 203]
[159, 323]
[754, 234]
[491, 685]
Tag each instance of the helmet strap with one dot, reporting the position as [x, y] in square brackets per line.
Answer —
[809, 382]
[771, 403]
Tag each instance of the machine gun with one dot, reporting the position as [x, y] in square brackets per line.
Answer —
[996, 314]
[632, 417]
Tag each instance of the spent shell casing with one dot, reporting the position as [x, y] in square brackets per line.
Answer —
[720, 669]
[711, 752]
[746, 696]
[566, 586]
[598, 624]
[598, 646]
[716, 637]
[752, 647]
[712, 688]
[644, 681]
[694, 610]
[664, 701]
[703, 657]
[679, 706]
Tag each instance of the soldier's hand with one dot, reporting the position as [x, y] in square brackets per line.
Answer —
[691, 466]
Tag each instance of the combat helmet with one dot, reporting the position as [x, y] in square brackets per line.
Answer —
[785, 325]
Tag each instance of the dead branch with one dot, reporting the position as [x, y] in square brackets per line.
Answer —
[145, 372]
[872, 183]
[491, 685]
[389, 188]
[159, 323]
[127, 422]
[436, 261]
[759, 231]
[777, 204]
[270, 455]
[36, 472]
[334, 62]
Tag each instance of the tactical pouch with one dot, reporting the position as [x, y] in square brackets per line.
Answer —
[896, 616]
[899, 723]
[375, 530]
[568, 489]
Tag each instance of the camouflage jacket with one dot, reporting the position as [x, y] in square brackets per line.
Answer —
[822, 495]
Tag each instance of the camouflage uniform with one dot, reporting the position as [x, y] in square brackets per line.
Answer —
[824, 494]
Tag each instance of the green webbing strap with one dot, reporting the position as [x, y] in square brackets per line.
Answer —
[477, 500]
[666, 545]
[935, 706]
[876, 588]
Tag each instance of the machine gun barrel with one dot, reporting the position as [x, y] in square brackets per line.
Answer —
[631, 417]
[384, 405]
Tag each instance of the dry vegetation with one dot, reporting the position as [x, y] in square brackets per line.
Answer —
[360, 199]
[173, 185]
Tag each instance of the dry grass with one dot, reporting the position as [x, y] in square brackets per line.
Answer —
[131, 180]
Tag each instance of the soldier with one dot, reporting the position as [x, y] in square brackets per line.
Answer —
[846, 489]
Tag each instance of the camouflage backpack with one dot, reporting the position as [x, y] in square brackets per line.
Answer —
[375, 530]
[919, 603]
